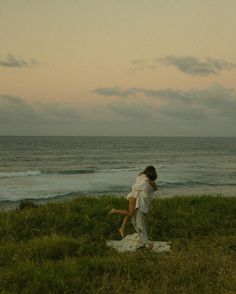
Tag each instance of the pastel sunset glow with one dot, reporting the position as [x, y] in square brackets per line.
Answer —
[113, 68]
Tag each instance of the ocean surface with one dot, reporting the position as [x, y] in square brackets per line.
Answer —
[46, 168]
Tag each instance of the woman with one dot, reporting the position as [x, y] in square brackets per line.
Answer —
[139, 198]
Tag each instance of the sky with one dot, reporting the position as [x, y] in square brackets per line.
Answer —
[118, 68]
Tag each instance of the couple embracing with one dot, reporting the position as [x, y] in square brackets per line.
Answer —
[139, 202]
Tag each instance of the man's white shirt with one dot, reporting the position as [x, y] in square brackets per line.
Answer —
[143, 192]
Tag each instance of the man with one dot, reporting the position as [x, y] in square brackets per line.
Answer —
[145, 193]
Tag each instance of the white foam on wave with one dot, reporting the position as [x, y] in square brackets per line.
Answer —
[15, 174]
[122, 169]
[104, 183]
[20, 174]
[45, 186]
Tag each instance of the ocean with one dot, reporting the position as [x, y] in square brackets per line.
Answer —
[46, 168]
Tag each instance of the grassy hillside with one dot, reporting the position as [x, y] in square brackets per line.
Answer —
[60, 248]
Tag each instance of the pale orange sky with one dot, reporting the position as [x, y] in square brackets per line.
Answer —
[81, 46]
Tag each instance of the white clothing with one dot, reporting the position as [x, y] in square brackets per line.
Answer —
[138, 222]
[132, 242]
[143, 192]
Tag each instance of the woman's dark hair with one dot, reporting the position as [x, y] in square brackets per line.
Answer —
[150, 172]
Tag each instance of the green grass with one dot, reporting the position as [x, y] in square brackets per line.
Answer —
[60, 248]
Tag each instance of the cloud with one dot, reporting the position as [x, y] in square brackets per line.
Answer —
[115, 91]
[186, 64]
[61, 111]
[15, 110]
[12, 61]
[128, 92]
[194, 104]
[133, 107]
[215, 100]
[196, 67]
[142, 64]
[137, 110]
[180, 111]
[142, 111]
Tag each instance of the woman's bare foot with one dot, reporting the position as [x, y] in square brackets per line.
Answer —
[111, 211]
[121, 231]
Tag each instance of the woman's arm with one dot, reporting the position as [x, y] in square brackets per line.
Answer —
[154, 185]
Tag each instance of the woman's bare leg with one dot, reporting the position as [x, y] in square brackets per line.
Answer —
[118, 211]
[131, 211]
[122, 228]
